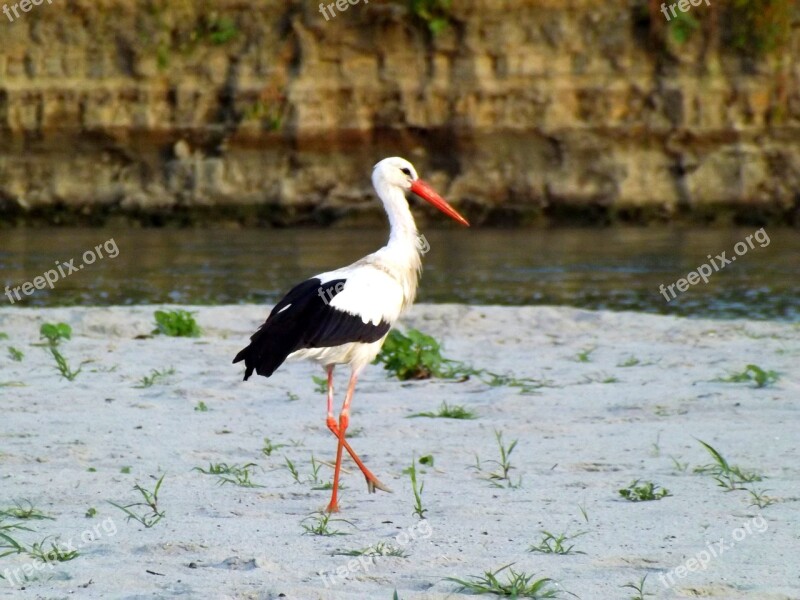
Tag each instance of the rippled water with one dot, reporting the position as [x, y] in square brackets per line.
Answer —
[619, 269]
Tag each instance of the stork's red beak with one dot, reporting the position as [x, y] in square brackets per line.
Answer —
[426, 192]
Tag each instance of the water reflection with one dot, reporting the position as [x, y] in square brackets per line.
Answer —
[619, 269]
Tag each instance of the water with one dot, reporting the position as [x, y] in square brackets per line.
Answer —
[617, 269]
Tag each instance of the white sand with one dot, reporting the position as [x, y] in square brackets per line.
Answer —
[579, 443]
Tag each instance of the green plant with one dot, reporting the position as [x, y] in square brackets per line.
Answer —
[678, 465]
[446, 411]
[645, 492]
[584, 355]
[201, 407]
[91, 512]
[54, 554]
[411, 356]
[516, 585]
[150, 501]
[9, 545]
[504, 463]
[3, 335]
[730, 477]
[269, 447]
[15, 354]
[682, 27]
[320, 384]
[638, 588]
[320, 525]
[630, 362]
[55, 332]
[155, 375]
[760, 498]
[379, 549]
[753, 373]
[235, 474]
[176, 323]
[416, 488]
[556, 544]
[426, 460]
[434, 13]
[24, 511]
[63, 367]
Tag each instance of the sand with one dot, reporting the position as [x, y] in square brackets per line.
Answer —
[594, 428]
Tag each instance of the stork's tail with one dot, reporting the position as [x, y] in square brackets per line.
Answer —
[265, 353]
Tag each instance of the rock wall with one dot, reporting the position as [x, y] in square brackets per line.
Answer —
[267, 112]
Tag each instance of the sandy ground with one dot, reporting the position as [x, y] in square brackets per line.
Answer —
[594, 429]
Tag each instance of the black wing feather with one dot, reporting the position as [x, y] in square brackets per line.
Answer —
[308, 322]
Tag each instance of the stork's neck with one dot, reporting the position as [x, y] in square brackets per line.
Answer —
[402, 252]
[403, 230]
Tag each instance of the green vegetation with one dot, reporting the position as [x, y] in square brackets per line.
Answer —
[644, 492]
[54, 554]
[269, 447]
[447, 411]
[379, 549]
[753, 373]
[55, 332]
[417, 488]
[728, 476]
[63, 367]
[176, 323]
[320, 525]
[584, 356]
[435, 14]
[201, 407]
[504, 464]
[155, 376]
[153, 514]
[235, 474]
[24, 511]
[638, 588]
[416, 355]
[556, 544]
[516, 584]
[15, 354]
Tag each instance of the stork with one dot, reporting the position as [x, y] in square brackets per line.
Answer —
[343, 316]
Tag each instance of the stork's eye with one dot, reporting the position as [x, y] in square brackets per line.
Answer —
[406, 170]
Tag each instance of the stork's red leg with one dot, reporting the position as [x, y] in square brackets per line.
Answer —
[373, 482]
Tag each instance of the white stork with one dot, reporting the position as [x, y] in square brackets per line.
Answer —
[344, 316]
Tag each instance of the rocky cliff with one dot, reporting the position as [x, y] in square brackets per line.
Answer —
[517, 110]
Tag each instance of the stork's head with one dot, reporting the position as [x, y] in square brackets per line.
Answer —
[398, 172]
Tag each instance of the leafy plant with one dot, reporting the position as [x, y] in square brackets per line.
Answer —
[55, 332]
[150, 501]
[556, 544]
[755, 374]
[584, 355]
[731, 477]
[638, 588]
[24, 511]
[379, 549]
[320, 525]
[630, 362]
[62, 365]
[416, 488]
[8, 544]
[176, 323]
[235, 474]
[15, 354]
[155, 375]
[269, 447]
[645, 492]
[434, 13]
[54, 554]
[411, 356]
[504, 463]
[201, 407]
[446, 411]
[516, 584]
[320, 384]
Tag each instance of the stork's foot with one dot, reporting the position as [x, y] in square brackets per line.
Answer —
[374, 484]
